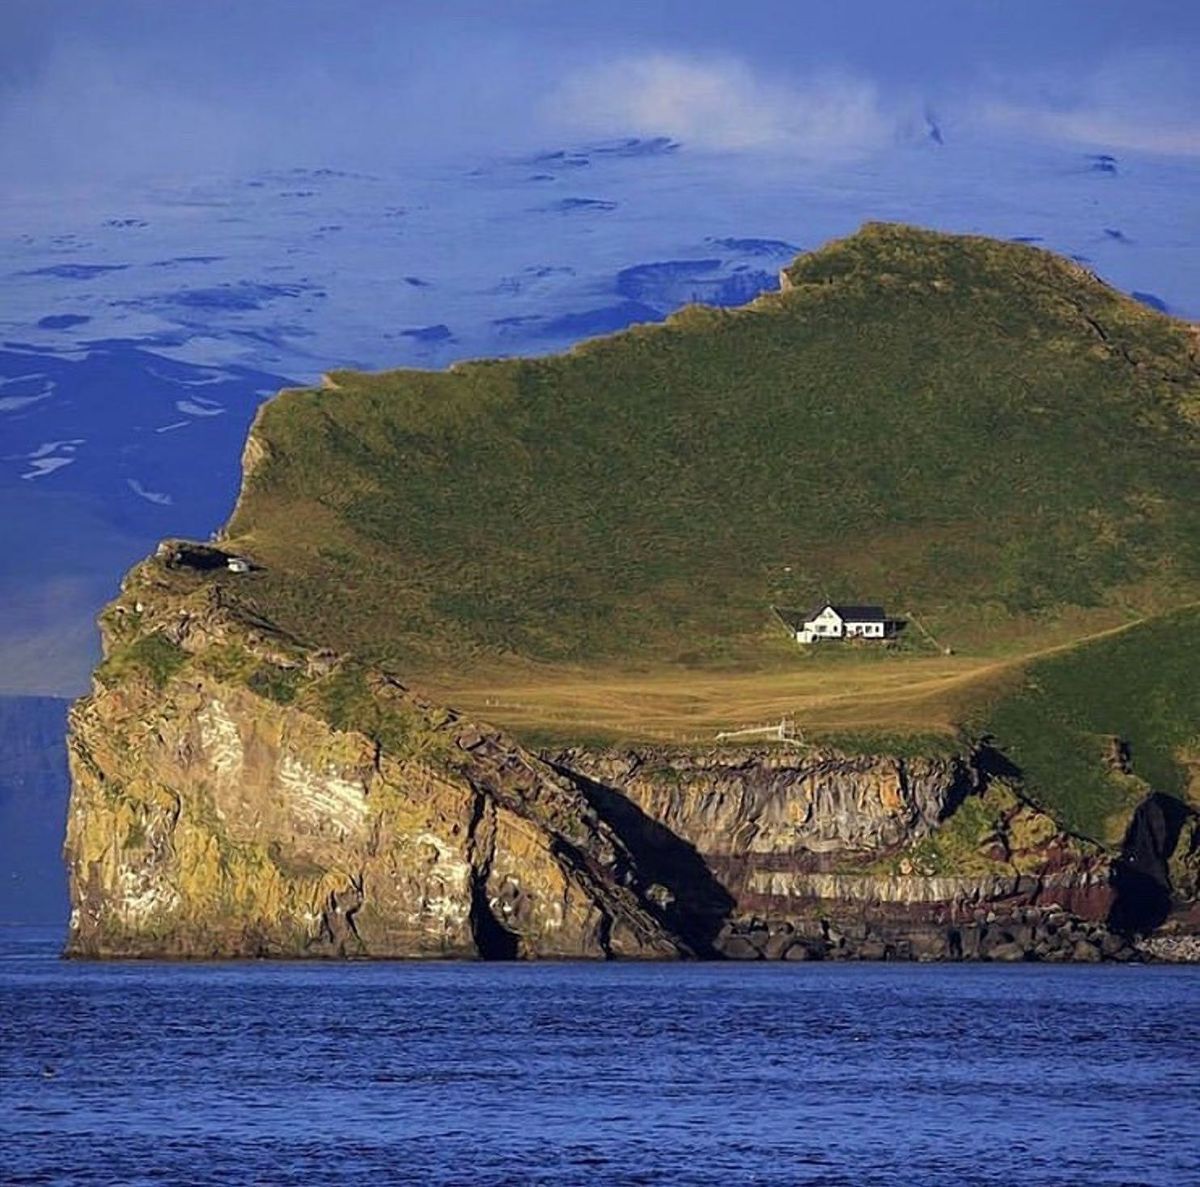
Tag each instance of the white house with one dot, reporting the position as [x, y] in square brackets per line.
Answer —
[838, 622]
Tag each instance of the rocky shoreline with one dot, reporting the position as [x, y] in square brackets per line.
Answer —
[1027, 934]
[1171, 949]
[808, 856]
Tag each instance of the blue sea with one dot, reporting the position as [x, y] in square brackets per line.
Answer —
[829, 1074]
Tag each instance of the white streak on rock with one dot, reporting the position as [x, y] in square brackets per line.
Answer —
[322, 796]
[449, 878]
[141, 895]
[221, 740]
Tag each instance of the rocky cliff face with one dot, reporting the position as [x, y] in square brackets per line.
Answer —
[802, 854]
[236, 793]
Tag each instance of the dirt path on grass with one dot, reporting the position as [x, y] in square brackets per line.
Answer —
[887, 693]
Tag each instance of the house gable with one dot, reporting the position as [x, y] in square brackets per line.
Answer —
[826, 623]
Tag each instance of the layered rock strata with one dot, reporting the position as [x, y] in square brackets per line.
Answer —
[803, 855]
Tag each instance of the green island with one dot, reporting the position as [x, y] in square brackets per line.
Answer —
[554, 594]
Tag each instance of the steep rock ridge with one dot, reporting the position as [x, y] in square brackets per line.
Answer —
[331, 812]
[1157, 878]
[809, 854]
[783, 800]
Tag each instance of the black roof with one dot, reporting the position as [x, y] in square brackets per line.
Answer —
[858, 613]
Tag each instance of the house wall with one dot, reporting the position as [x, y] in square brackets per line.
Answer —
[827, 624]
[865, 630]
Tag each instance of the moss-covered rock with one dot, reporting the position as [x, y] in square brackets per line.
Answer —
[233, 796]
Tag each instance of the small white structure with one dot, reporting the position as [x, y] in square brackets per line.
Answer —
[838, 622]
[238, 564]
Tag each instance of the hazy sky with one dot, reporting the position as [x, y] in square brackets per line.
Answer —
[97, 91]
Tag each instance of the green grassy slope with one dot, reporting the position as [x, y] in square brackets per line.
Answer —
[977, 431]
[1058, 726]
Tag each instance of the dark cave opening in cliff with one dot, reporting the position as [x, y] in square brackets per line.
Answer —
[1141, 877]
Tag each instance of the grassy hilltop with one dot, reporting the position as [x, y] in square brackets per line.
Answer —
[978, 433]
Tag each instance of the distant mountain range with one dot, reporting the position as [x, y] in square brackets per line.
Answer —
[33, 809]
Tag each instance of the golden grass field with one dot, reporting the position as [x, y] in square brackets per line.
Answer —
[827, 690]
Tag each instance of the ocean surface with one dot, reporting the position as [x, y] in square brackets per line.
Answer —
[860, 1075]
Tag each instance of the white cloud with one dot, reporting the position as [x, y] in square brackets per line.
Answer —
[1099, 128]
[13, 403]
[199, 407]
[1146, 100]
[723, 104]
